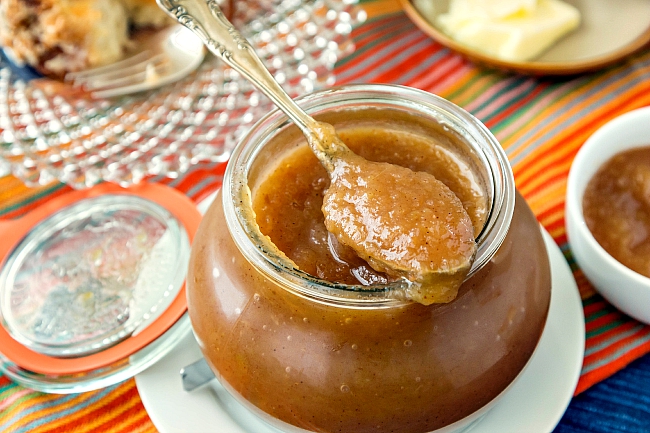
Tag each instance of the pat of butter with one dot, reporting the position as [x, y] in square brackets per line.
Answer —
[513, 30]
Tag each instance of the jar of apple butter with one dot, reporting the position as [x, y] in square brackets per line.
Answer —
[311, 338]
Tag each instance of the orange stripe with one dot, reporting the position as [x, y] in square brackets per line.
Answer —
[558, 235]
[602, 321]
[372, 61]
[37, 399]
[369, 36]
[611, 333]
[472, 91]
[613, 348]
[140, 423]
[82, 420]
[556, 224]
[549, 207]
[552, 175]
[513, 107]
[582, 130]
[380, 7]
[397, 71]
[124, 415]
[589, 379]
[593, 308]
[586, 289]
[574, 136]
[428, 79]
[595, 100]
[368, 32]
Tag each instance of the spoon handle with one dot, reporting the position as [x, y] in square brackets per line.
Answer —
[207, 21]
[196, 374]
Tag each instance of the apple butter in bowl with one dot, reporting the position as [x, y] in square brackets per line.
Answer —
[608, 211]
[308, 335]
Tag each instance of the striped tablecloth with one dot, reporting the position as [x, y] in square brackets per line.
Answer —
[541, 123]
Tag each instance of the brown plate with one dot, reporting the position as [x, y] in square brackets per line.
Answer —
[609, 31]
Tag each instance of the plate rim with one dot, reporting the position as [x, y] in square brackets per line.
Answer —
[529, 67]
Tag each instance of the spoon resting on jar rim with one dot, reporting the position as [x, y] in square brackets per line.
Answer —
[407, 224]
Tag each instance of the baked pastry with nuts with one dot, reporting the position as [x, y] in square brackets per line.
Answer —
[60, 36]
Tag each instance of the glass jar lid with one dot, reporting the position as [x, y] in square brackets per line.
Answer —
[93, 276]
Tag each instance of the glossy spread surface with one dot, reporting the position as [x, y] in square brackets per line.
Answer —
[402, 222]
[616, 207]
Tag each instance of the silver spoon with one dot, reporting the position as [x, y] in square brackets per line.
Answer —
[361, 192]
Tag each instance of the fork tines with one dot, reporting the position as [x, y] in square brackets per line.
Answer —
[120, 77]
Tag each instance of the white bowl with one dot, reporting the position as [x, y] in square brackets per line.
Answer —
[625, 289]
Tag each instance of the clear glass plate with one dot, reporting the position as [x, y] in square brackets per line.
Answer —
[51, 131]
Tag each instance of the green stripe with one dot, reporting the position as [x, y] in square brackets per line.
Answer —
[478, 75]
[603, 329]
[497, 109]
[597, 314]
[9, 389]
[524, 109]
[568, 256]
[32, 198]
[18, 402]
[506, 121]
[367, 30]
[592, 300]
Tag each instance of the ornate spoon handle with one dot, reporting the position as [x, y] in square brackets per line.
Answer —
[207, 21]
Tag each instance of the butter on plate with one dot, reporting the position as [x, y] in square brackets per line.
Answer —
[512, 30]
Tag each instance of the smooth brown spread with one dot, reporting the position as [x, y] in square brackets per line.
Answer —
[616, 206]
[333, 367]
[402, 221]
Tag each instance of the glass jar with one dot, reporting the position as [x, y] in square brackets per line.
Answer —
[310, 355]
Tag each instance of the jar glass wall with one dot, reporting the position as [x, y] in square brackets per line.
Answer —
[309, 354]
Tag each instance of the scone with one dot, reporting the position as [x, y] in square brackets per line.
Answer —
[61, 36]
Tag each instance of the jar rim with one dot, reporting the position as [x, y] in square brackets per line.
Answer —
[262, 253]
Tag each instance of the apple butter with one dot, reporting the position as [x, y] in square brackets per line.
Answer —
[616, 207]
[311, 338]
[306, 237]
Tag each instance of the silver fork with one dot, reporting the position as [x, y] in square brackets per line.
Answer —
[161, 57]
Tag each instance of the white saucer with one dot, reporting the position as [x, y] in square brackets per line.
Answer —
[535, 402]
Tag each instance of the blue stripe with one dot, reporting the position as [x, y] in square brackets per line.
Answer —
[387, 52]
[200, 185]
[622, 351]
[613, 340]
[205, 165]
[620, 404]
[519, 91]
[423, 66]
[52, 404]
[401, 58]
[512, 83]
